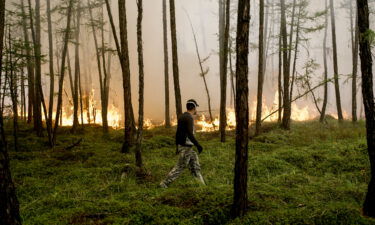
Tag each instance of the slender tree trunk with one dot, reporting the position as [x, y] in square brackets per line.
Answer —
[176, 75]
[23, 96]
[286, 67]
[368, 99]
[335, 62]
[51, 70]
[260, 68]
[62, 70]
[280, 74]
[242, 110]
[295, 53]
[166, 65]
[77, 72]
[290, 44]
[30, 67]
[38, 71]
[325, 99]
[9, 206]
[355, 47]
[138, 152]
[223, 74]
[105, 79]
[203, 73]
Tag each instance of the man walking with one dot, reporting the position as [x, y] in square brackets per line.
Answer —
[185, 141]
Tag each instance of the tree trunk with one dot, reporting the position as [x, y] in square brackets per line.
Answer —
[62, 70]
[280, 90]
[286, 70]
[242, 110]
[9, 206]
[129, 115]
[30, 66]
[105, 89]
[175, 59]
[325, 99]
[295, 54]
[335, 63]
[77, 72]
[51, 70]
[223, 74]
[166, 65]
[203, 73]
[260, 68]
[368, 99]
[355, 41]
[138, 152]
[38, 71]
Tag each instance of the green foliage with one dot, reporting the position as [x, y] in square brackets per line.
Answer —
[314, 174]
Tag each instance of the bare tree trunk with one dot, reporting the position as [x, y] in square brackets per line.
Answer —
[129, 115]
[295, 54]
[23, 96]
[368, 100]
[335, 63]
[325, 99]
[355, 41]
[30, 67]
[51, 70]
[138, 152]
[242, 110]
[166, 65]
[38, 70]
[62, 70]
[286, 70]
[77, 71]
[280, 91]
[176, 75]
[260, 68]
[203, 72]
[223, 74]
[9, 206]
[105, 90]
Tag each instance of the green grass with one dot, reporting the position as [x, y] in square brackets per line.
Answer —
[313, 174]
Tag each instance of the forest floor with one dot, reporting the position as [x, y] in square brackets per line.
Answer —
[314, 174]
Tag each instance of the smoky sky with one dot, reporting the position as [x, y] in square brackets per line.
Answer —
[204, 17]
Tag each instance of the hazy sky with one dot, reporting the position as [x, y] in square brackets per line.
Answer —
[204, 15]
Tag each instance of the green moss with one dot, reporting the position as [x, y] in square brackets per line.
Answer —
[313, 174]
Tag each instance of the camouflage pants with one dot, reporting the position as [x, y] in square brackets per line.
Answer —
[187, 158]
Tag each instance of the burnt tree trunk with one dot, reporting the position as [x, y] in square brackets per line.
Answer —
[176, 75]
[242, 110]
[335, 62]
[368, 99]
[279, 78]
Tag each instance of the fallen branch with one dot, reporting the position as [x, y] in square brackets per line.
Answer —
[74, 145]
